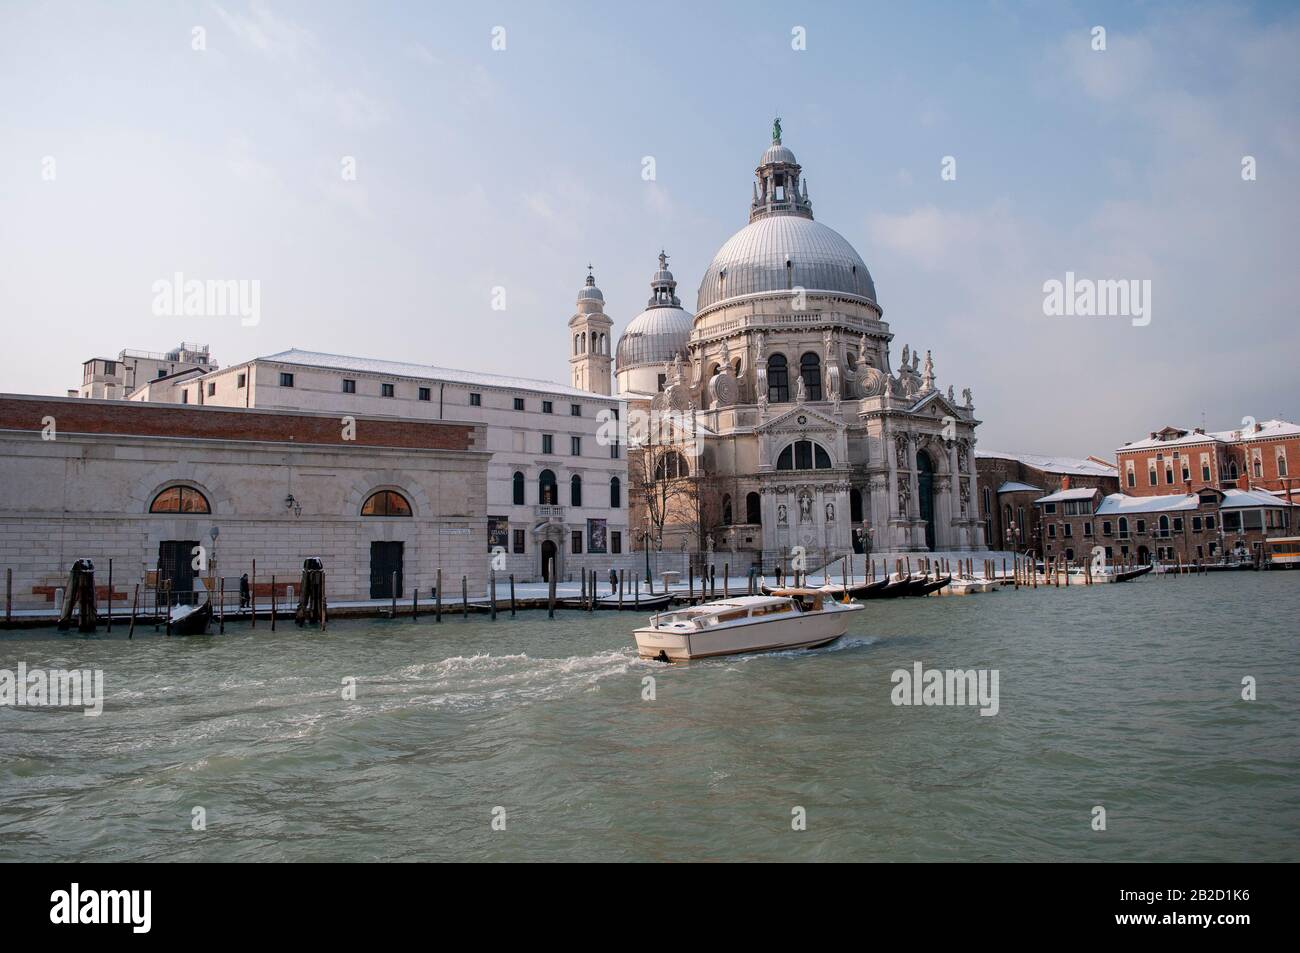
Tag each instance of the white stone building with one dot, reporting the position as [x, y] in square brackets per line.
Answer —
[132, 371]
[809, 437]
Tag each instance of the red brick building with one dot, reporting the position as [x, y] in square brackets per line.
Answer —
[1261, 456]
[1010, 483]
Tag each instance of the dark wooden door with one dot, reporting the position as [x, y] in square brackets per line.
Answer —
[548, 560]
[925, 494]
[385, 559]
[176, 566]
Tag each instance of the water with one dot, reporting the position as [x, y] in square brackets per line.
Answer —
[1124, 696]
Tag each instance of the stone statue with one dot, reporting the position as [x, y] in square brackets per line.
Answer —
[904, 494]
[800, 392]
[970, 402]
[907, 360]
[965, 496]
[805, 508]
[776, 129]
[900, 450]
[760, 344]
[952, 398]
[781, 514]
[916, 362]
[830, 512]
[928, 380]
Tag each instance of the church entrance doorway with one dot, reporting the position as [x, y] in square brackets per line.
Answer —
[925, 495]
[548, 560]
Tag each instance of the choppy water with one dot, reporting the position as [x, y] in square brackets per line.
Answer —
[1123, 696]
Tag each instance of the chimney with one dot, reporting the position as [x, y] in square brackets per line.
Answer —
[1065, 483]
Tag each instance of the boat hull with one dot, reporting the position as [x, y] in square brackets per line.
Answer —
[805, 631]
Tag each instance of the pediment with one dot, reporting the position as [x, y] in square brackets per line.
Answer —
[800, 419]
[935, 404]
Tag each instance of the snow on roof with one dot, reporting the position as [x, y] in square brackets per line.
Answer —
[1267, 429]
[1072, 466]
[449, 375]
[1012, 487]
[1121, 505]
[1235, 499]
[1082, 493]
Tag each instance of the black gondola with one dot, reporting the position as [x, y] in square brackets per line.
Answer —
[1128, 574]
[653, 603]
[191, 620]
[928, 585]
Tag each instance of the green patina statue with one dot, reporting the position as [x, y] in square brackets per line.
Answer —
[776, 130]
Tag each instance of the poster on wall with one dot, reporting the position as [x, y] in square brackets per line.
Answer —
[596, 536]
[498, 532]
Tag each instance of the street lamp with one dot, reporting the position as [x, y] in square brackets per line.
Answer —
[645, 545]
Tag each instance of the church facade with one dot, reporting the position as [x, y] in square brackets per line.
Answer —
[803, 432]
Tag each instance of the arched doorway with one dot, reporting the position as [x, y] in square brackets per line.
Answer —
[549, 558]
[1144, 555]
[925, 494]
[855, 518]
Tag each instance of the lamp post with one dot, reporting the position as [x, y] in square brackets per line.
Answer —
[645, 545]
[212, 562]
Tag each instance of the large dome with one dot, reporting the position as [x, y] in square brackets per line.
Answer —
[780, 252]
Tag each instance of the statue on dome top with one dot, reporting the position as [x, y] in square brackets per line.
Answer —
[776, 130]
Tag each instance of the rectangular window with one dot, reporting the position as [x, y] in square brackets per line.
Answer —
[1196, 524]
[1209, 522]
[1151, 476]
[1049, 507]
[349, 386]
[1142, 526]
[476, 400]
[1069, 529]
[577, 542]
[286, 380]
[1087, 529]
[663, 379]
[519, 541]
[425, 394]
[548, 443]
[212, 389]
[241, 380]
[575, 410]
[185, 397]
[1178, 524]
[1051, 530]
[1205, 472]
[1187, 473]
[385, 390]
[575, 446]
[613, 450]
[1132, 478]
[548, 407]
[1106, 528]
[519, 403]
[615, 542]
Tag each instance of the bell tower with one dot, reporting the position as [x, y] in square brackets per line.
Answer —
[589, 352]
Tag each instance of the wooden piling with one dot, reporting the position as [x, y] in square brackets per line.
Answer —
[221, 605]
[492, 582]
[110, 594]
[252, 595]
[550, 597]
[323, 600]
[415, 603]
[392, 588]
[591, 602]
[273, 600]
[464, 597]
[135, 601]
[512, 595]
[437, 598]
[690, 585]
[620, 589]
[636, 591]
[726, 580]
[9, 595]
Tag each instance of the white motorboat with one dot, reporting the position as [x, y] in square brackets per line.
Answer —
[786, 619]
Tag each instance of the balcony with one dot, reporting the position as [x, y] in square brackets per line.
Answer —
[548, 511]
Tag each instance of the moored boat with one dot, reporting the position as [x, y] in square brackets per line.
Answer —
[786, 619]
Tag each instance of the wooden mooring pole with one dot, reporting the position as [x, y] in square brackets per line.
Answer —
[512, 595]
[392, 589]
[492, 581]
[415, 603]
[135, 602]
[437, 599]
[221, 605]
[110, 594]
[550, 592]
[9, 595]
[273, 601]
[464, 597]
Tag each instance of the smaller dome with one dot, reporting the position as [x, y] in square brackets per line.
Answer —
[590, 300]
[777, 153]
[655, 336]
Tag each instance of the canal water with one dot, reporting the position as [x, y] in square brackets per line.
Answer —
[1124, 697]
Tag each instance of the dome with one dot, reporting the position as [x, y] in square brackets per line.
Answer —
[654, 336]
[590, 300]
[777, 153]
[754, 261]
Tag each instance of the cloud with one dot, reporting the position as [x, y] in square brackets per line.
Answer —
[271, 35]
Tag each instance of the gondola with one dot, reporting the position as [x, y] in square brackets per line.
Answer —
[926, 585]
[646, 603]
[1128, 574]
[191, 620]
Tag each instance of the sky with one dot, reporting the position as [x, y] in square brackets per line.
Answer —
[141, 140]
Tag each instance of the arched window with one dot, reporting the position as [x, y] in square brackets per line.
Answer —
[778, 380]
[1164, 525]
[546, 492]
[386, 503]
[575, 490]
[726, 509]
[855, 505]
[518, 488]
[988, 501]
[1123, 527]
[1259, 468]
[1006, 518]
[810, 369]
[804, 455]
[1232, 469]
[671, 466]
[615, 493]
[180, 499]
[753, 509]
